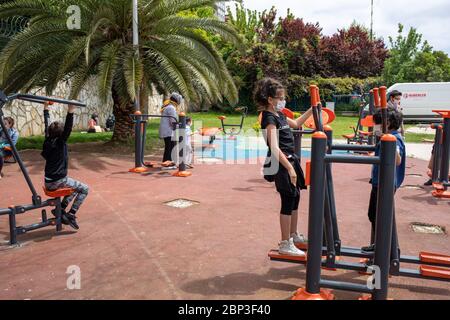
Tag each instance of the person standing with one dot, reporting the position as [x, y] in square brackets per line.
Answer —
[167, 125]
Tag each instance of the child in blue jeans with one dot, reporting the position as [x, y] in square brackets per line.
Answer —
[395, 120]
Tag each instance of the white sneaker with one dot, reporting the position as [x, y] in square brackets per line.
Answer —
[299, 238]
[288, 248]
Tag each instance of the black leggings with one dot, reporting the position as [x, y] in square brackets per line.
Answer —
[168, 147]
[2, 161]
[289, 204]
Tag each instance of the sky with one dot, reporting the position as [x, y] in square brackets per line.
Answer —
[431, 18]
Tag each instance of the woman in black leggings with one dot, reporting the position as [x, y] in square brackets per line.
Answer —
[284, 168]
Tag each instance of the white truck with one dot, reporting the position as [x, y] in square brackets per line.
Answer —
[420, 99]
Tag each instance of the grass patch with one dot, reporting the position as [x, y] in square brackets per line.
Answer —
[340, 127]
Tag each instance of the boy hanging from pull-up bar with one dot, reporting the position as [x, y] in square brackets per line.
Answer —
[55, 152]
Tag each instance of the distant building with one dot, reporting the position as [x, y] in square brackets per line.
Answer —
[221, 11]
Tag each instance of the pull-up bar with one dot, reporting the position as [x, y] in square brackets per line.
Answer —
[42, 100]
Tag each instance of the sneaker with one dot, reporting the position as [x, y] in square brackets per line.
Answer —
[428, 183]
[299, 238]
[288, 248]
[72, 221]
[370, 248]
[64, 218]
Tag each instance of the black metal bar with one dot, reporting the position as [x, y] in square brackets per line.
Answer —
[353, 147]
[144, 141]
[40, 99]
[395, 248]
[12, 226]
[355, 253]
[332, 201]
[182, 143]
[134, 116]
[317, 118]
[329, 203]
[445, 160]
[4, 212]
[138, 143]
[25, 208]
[316, 212]
[58, 213]
[384, 220]
[328, 230]
[338, 285]
[372, 111]
[35, 226]
[437, 154]
[297, 143]
[351, 159]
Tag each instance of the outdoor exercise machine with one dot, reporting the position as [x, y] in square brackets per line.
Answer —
[54, 200]
[232, 132]
[140, 125]
[324, 245]
[365, 120]
[227, 128]
[441, 159]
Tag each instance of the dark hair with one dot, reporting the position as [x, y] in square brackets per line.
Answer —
[264, 89]
[10, 121]
[393, 94]
[377, 118]
[188, 119]
[56, 129]
[395, 119]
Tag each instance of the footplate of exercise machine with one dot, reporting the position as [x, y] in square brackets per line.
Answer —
[435, 258]
[425, 258]
[428, 273]
[274, 255]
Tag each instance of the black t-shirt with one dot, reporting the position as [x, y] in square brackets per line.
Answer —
[285, 135]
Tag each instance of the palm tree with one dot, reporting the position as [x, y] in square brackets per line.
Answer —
[174, 54]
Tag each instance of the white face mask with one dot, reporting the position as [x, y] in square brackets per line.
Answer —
[377, 130]
[281, 105]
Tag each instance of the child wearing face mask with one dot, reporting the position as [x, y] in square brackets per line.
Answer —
[395, 119]
[394, 103]
[282, 165]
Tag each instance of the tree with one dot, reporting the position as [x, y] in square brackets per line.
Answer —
[351, 53]
[413, 61]
[173, 55]
[246, 22]
[302, 44]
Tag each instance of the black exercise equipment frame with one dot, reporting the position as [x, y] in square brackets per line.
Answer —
[37, 202]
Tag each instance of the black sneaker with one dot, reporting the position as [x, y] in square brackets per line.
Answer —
[64, 218]
[72, 221]
[428, 183]
[370, 248]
